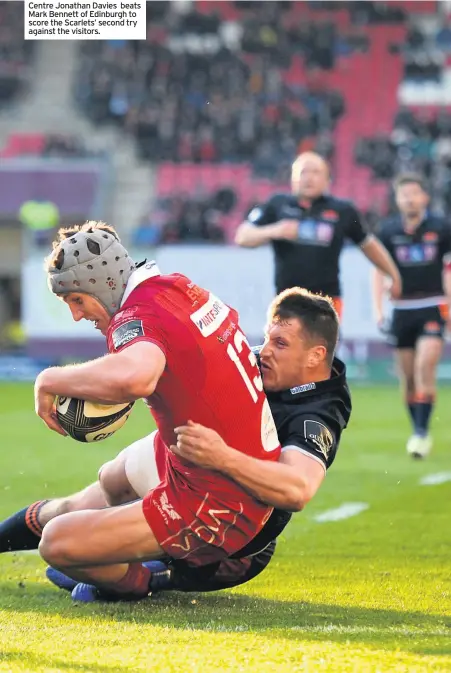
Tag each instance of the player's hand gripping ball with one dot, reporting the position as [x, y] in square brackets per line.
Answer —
[89, 422]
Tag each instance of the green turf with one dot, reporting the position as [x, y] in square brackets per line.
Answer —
[372, 593]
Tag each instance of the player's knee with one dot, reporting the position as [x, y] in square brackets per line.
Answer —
[55, 508]
[56, 546]
[115, 485]
[64, 506]
[425, 378]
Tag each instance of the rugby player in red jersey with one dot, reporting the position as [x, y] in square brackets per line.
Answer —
[180, 348]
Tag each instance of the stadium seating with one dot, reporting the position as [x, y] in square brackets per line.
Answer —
[227, 94]
[15, 52]
[44, 145]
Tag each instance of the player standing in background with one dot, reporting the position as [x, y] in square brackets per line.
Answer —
[307, 231]
[420, 244]
[180, 348]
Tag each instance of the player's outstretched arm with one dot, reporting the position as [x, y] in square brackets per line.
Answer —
[378, 295]
[288, 484]
[249, 235]
[373, 249]
[446, 278]
[116, 378]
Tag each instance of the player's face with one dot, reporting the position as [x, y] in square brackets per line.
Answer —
[284, 357]
[310, 178]
[85, 307]
[411, 199]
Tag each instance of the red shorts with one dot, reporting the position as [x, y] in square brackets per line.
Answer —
[191, 522]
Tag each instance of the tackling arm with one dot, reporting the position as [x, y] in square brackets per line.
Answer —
[288, 484]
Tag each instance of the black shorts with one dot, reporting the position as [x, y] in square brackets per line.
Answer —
[220, 575]
[408, 325]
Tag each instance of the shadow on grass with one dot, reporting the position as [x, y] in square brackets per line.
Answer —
[34, 662]
[414, 632]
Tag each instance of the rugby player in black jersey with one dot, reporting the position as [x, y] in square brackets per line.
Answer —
[307, 230]
[310, 402]
[420, 244]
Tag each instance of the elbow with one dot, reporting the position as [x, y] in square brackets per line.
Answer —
[241, 241]
[296, 498]
[238, 238]
[138, 388]
[134, 386]
[241, 238]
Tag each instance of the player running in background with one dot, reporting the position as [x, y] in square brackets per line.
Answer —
[307, 231]
[166, 344]
[420, 243]
[310, 401]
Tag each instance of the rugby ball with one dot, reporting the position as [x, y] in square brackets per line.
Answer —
[89, 422]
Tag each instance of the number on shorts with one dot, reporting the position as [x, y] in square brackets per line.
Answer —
[238, 357]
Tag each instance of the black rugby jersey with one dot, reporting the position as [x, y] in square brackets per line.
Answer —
[309, 418]
[311, 261]
[418, 255]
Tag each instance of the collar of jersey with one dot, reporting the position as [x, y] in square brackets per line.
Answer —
[337, 380]
[143, 272]
[424, 222]
[310, 205]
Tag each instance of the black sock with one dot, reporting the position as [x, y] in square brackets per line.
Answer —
[22, 530]
[412, 407]
[423, 415]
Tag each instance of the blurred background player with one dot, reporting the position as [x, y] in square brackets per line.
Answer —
[307, 231]
[420, 243]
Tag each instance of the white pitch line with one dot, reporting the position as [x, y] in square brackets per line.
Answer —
[345, 511]
[437, 478]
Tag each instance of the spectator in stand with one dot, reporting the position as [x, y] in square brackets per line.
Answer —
[15, 51]
[211, 106]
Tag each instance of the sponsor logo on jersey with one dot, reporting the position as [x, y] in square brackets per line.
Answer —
[320, 436]
[432, 327]
[127, 332]
[315, 233]
[302, 389]
[416, 254]
[430, 236]
[325, 232]
[166, 509]
[331, 215]
[307, 230]
[194, 292]
[227, 334]
[209, 317]
[255, 215]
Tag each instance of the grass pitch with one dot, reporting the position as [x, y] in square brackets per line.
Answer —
[369, 593]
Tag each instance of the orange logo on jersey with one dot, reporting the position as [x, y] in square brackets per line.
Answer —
[228, 333]
[432, 326]
[194, 292]
[331, 215]
[430, 236]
